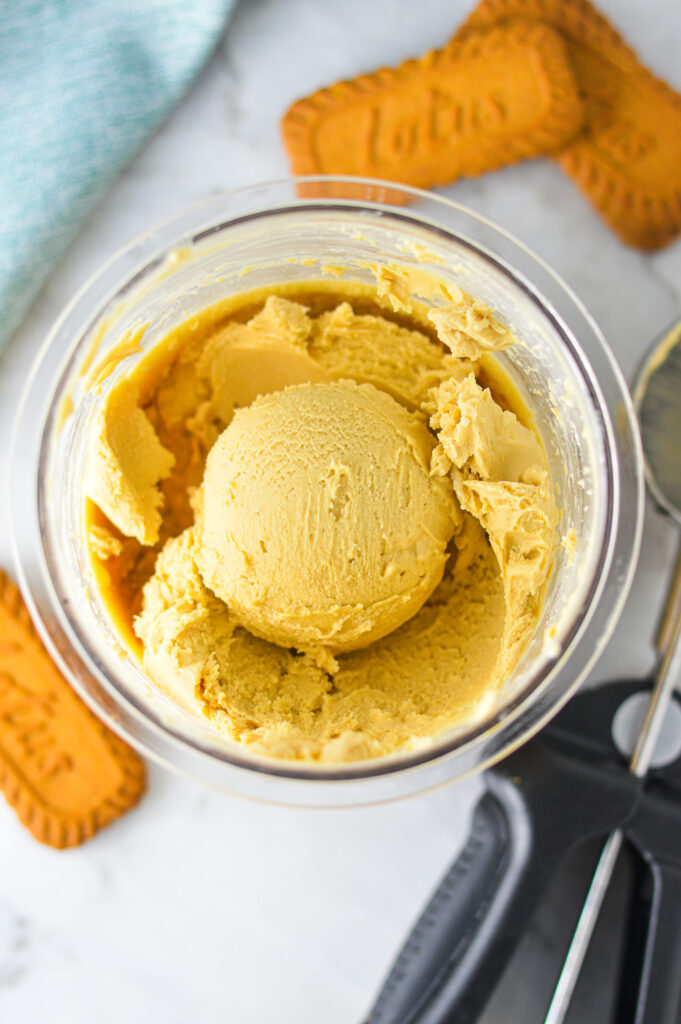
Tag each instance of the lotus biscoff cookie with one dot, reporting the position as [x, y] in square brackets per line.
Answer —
[497, 97]
[627, 160]
[65, 773]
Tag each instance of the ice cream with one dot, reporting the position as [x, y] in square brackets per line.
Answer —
[341, 539]
[319, 523]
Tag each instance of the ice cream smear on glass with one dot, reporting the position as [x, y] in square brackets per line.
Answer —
[320, 514]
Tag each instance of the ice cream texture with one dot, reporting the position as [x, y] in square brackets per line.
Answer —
[325, 524]
[319, 522]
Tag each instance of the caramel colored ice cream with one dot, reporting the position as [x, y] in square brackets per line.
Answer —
[319, 523]
[323, 518]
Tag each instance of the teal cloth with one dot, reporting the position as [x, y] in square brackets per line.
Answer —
[83, 84]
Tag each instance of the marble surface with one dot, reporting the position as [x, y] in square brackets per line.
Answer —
[201, 906]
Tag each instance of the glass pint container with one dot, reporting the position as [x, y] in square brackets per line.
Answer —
[297, 230]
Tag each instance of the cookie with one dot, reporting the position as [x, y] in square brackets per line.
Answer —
[65, 773]
[495, 98]
[627, 161]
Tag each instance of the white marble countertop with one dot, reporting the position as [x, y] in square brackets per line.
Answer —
[201, 906]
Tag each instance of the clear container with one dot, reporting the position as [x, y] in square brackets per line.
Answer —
[286, 231]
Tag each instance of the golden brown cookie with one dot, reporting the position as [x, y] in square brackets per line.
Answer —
[496, 97]
[627, 161]
[65, 773]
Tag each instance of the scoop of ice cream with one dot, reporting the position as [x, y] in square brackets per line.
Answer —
[318, 521]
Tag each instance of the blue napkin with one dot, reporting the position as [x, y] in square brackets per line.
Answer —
[83, 84]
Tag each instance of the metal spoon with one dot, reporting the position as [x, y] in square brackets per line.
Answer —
[657, 396]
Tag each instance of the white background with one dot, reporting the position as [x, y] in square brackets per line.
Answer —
[200, 906]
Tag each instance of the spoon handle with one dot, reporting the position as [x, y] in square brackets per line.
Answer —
[644, 749]
[667, 675]
[567, 980]
[672, 608]
[541, 802]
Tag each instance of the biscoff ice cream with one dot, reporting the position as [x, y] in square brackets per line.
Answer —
[318, 522]
[323, 518]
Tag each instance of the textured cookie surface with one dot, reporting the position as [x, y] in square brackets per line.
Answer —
[64, 772]
[497, 97]
[627, 161]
